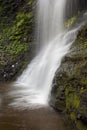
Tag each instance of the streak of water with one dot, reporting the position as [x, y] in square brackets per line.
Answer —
[33, 87]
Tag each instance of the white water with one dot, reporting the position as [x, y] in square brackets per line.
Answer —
[33, 87]
[50, 16]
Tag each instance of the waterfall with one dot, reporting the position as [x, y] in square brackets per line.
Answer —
[33, 87]
[50, 20]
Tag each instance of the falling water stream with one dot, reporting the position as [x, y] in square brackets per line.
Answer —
[33, 87]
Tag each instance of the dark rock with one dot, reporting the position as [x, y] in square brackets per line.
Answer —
[70, 82]
[16, 37]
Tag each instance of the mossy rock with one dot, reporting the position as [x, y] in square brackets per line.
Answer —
[16, 33]
[71, 82]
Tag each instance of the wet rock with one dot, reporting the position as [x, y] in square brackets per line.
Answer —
[16, 35]
[70, 82]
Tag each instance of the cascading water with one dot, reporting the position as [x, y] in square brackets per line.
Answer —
[50, 20]
[33, 87]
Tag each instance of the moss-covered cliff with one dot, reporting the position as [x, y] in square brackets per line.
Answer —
[69, 93]
[16, 29]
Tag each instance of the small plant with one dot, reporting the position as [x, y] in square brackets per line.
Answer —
[71, 21]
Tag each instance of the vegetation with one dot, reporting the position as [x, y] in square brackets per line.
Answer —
[71, 21]
[71, 83]
[16, 28]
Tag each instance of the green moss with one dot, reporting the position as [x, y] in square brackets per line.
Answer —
[68, 91]
[2, 64]
[71, 21]
[82, 90]
[72, 88]
[15, 35]
[84, 81]
[76, 101]
[20, 23]
[72, 116]
[85, 44]
[22, 15]
[72, 101]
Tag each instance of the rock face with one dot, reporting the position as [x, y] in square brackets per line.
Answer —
[74, 6]
[69, 93]
[16, 34]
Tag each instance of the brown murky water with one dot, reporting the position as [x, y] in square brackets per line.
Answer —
[39, 119]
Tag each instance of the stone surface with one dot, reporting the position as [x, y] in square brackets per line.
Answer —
[16, 34]
[69, 93]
